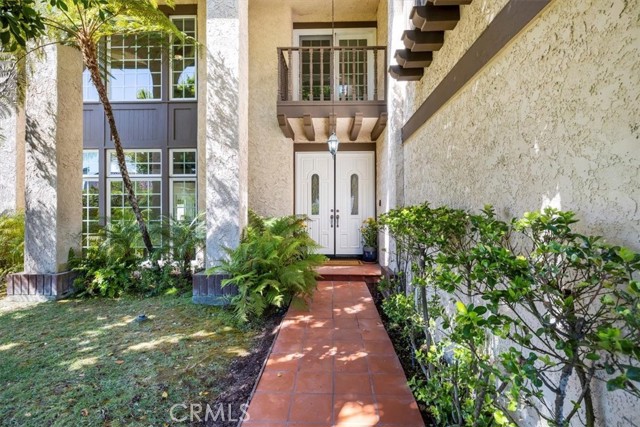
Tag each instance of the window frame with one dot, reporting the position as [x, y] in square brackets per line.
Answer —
[117, 175]
[187, 178]
[170, 92]
[185, 150]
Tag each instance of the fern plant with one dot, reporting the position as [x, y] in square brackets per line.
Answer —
[274, 262]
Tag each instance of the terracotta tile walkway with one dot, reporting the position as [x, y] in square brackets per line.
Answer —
[333, 365]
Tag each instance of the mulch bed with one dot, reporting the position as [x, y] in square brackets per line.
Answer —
[243, 375]
[402, 347]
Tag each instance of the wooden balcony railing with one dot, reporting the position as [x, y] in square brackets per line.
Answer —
[326, 74]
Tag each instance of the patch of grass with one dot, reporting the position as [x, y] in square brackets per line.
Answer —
[87, 362]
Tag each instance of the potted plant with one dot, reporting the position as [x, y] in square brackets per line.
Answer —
[369, 231]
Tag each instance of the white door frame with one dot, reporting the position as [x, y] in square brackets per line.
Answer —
[335, 222]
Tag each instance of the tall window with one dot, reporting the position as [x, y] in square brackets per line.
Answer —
[135, 66]
[90, 197]
[184, 60]
[183, 170]
[145, 169]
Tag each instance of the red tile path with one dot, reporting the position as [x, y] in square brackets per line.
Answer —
[333, 365]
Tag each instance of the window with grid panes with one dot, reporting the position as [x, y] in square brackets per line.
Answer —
[184, 60]
[184, 195]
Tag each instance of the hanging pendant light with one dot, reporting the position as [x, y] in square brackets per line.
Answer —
[333, 142]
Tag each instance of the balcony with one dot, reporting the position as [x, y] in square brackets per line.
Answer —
[326, 87]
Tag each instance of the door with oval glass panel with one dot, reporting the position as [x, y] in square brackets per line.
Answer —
[336, 196]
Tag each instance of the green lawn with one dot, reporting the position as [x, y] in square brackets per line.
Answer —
[86, 362]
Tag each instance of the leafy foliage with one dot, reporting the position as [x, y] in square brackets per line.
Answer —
[117, 265]
[274, 262]
[369, 231]
[568, 302]
[11, 244]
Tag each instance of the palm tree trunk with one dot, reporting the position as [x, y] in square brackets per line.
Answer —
[90, 56]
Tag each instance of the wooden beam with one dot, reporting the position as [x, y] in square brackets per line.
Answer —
[423, 41]
[406, 74]
[356, 125]
[378, 128]
[407, 59]
[333, 119]
[450, 2]
[309, 131]
[515, 16]
[435, 18]
[285, 127]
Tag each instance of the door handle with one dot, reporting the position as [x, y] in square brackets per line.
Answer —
[337, 221]
[331, 221]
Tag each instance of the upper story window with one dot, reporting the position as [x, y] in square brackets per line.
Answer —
[184, 60]
[136, 66]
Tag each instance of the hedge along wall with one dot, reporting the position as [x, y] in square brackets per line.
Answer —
[553, 120]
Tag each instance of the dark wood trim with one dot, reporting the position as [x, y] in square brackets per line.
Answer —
[379, 126]
[180, 9]
[322, 109]
[285, 126]
[345, 146]
[322, 25]
[504, 27]
[309, 131]
[356, 125]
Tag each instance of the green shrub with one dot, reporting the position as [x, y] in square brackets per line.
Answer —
[273, 263]
[108, 268]
[11, 245]
[117, 265]
[182, 240]
[568, 303]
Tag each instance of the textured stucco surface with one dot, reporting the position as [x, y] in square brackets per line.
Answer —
[53, 165]
[226, 124]
[553, 120]
[270, 153]
[8, 141]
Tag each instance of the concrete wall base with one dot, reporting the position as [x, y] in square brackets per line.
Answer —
[208, 290]
[39, 287]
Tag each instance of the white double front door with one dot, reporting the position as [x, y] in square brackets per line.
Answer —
[336, 195]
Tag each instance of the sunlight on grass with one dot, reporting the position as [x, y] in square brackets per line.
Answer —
[150, 345]
[82, 363]
[9, 346]
[89, 363]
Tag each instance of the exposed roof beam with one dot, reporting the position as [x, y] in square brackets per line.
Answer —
[407, 59]
[356, 125]
[435, 18]
[378, 128]
[450, 2]
[285, 126]
[406, 74]
[309, 131]
[423, 41]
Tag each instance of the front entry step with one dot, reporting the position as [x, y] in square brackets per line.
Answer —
[368, 273]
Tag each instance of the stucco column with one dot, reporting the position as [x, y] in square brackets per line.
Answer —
[226, 137]
[11, 142]
[226, 124]
[53, 169]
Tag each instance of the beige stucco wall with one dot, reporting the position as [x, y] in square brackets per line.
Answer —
[553, 120]
[270, 153]
[271, 157]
